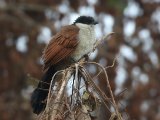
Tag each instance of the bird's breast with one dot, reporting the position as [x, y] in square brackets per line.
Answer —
[86, 43]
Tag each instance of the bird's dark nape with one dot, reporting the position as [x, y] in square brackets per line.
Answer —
[85, 20]
[39, 95]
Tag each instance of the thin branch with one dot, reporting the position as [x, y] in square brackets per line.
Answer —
[98, 90]
[114, 61]
[60, 94]
[102, 39]
[110, 90]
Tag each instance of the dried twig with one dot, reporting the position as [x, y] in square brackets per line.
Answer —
[114, 61]
[102, 39]
[66, 77]
[98, 90]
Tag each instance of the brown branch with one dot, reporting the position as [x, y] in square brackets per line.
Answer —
[59, 99]
[98, 90]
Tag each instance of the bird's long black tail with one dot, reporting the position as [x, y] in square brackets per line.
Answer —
[39, 95]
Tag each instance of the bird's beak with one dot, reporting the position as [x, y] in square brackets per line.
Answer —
[95, 22]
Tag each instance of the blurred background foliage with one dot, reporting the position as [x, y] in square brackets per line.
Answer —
[27, 25]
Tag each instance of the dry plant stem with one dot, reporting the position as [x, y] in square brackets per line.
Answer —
[50, 87]
[54, 112]
[110, 90]
[42, 116]
[76, 83]
[98, 90]
[74, 87]
[112, 97]
[119, 94]
[82, 114]
[102, 39]
[114, 61]
[49, 97]
[113, 116]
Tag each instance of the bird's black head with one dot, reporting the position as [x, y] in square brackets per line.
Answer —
[86, 20]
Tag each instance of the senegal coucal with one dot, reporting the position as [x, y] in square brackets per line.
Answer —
[68, 46]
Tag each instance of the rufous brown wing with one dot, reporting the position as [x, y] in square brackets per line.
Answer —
[61, 46]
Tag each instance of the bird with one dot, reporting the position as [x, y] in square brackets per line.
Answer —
[72, 43]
